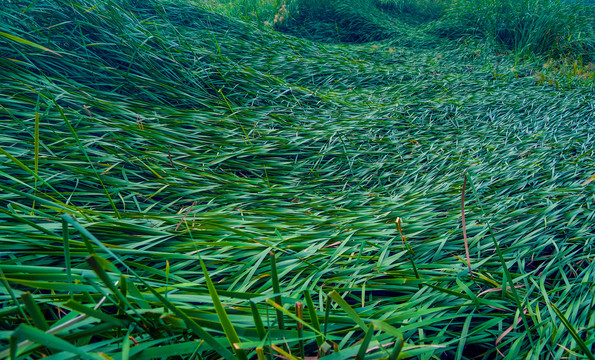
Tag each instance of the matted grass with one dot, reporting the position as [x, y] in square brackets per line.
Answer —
[179, 184]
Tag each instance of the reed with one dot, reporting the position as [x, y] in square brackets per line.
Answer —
[178, 180]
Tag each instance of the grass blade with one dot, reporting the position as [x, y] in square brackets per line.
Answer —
[277, 290]
[230, 331]
[51, 341]
[581, 343]
[361, 354]
[27, 42]
[35, 312]
[348, 309]
[313, 316]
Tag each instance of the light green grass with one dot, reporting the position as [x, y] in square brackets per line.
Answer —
[178, 181]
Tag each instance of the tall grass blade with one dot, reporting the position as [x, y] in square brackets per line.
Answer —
[230, 331]
[508, 277]
[361, 354]
[313, 316]
[348, 309]
[258, 324]
[66, 245]
[34, 311]
[277, 290]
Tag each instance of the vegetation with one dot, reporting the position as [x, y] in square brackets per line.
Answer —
[258, 179]
[526, 26]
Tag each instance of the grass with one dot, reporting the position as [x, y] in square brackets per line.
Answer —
[527, 26]
[181, 180]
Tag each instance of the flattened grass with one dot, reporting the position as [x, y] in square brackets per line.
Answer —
[164, 134]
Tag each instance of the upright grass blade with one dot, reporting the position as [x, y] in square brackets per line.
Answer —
[507, 275]
[299, 321]
[35, 312]
[464, 225]
[348, 309]
[299, 312]
[361, 353]
[277, 290]
[327, 312]
[258, 324]
[166, 277]
[13, 297]
[394, 355]
[398, 223]
[99, 265]
[66, 245]
[313, 315]
[13, 347]
[197, 329]
[464, 334]
[126, 343]
[230, 331]
[36, 143]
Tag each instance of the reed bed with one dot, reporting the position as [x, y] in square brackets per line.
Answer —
[178, 183]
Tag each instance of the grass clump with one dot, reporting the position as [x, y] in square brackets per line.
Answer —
[177, 183]
[528, 26]
[414, 11]
[259, 11]
[351, 21]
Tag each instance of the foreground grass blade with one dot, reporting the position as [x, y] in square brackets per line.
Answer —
[230, 331]
[13, 297]
[172, 129]
[257, 321]
[508, 276]
[464, 225]
[581, 343]
[277, 289]
[197, 329]
[313, 316]
[66, 245]
[36, 142]
[51, 341]
[361, 354]
[34, 311]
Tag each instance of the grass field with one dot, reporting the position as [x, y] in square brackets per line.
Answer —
[378, 179]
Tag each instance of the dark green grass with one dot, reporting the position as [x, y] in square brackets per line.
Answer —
[559, 28]
[175, 180]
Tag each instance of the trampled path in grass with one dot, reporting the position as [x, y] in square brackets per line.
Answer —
[169, 133]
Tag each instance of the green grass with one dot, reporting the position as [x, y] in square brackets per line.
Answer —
[526, 26]
[181, 180]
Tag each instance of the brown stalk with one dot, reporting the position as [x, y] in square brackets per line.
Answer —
[464, 225]
[184, 218]
[506, 332]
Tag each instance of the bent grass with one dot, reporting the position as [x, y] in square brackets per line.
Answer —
[180, 184]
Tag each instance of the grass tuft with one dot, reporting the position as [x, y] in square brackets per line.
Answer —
[214, 180]
[527, 27]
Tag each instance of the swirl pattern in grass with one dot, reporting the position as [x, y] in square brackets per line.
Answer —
[179, 184]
